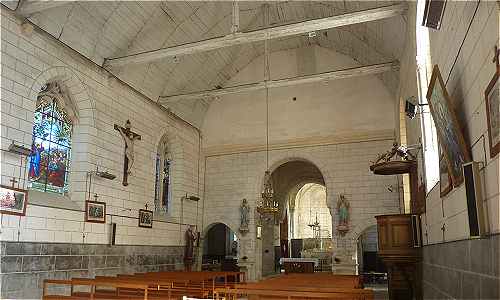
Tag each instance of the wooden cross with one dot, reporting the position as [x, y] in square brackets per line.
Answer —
[129, 137]
[146, 206]
[14, 181]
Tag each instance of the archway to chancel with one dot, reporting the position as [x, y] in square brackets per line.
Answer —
[369, 264]
[303, 181]
[220, 248]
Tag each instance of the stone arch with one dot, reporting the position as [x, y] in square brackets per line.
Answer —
[77, 98]
[277, 162]
[211, 225]
[356, 232]
[77, 92]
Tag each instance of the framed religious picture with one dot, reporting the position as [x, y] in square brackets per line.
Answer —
[444, 177]
[13, 200]
[145, 218]
[493, 113]
[95, 212]
[448, 129]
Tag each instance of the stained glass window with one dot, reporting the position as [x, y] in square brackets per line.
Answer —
[51, 148]
[163, 190]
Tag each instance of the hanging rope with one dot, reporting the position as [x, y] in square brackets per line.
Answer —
[267, 76]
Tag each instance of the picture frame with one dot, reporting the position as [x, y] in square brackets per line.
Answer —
[492, 98]
[450, 136]
[13, 201]
[95, 211]
[445, 184]
[145, 218]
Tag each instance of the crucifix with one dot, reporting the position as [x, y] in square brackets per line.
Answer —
[14, 181]
[129, 137]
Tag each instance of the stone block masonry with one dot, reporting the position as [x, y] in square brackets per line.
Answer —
[24, 266]
[468, 269]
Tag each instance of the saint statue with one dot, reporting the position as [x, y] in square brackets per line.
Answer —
[190, 238]
[343, 212]
[129, 137]
[245, 220]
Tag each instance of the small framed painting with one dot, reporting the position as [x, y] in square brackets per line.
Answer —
[493, 113]
[95, 212]
[13, 201]
[145, 218]
[444, 177]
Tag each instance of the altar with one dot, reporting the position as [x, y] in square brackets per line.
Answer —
[299, 265]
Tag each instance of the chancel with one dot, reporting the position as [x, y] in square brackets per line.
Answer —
[265, 149]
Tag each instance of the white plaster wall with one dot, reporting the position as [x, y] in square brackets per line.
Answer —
[345, 167]
[468, 79]
[321, 109]
[28, 62]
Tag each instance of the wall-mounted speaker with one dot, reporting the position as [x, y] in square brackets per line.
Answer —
[112, 232]
[416, 226]
[474, 195]
[410, 109]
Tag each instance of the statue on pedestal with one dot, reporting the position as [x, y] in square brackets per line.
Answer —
[190, 238]
[343, 213]
[244, 214]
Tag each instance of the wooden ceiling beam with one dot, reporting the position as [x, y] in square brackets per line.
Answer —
[29, 7]
[276, 83]
[238, 38]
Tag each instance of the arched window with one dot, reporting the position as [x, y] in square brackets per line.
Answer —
[163, 186]
[51, 147]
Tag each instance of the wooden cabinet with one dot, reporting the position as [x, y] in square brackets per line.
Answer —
[396, 248]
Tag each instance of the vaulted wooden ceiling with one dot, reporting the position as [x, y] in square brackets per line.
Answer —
[101, 30]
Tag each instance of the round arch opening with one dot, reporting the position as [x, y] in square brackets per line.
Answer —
[220, 248]
[299, 187]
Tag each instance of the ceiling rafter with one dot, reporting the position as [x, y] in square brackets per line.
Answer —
[275, 83]
[261, 35]
[29, 7]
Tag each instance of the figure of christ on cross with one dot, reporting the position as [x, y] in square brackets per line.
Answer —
[129, 137]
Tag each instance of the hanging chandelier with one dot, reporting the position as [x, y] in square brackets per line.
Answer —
[267, 204]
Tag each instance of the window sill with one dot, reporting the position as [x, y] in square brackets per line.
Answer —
[52, 200]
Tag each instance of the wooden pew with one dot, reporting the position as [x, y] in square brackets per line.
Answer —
[92, 284]
[298, 286]
[151, 285]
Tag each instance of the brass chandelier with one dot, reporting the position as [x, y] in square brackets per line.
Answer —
[267, 204]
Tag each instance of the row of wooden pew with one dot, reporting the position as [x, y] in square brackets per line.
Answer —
[152, 285]
[299, 286]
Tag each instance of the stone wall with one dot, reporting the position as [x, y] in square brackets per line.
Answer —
[345, 168]
[468, 269]
[30, 60]
[24, 266]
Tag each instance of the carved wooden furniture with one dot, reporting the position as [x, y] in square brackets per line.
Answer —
[396, 248]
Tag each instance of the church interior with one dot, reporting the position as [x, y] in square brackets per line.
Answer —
[250, 149]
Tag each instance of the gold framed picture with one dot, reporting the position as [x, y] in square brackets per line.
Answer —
[493, 113]
[448, 130]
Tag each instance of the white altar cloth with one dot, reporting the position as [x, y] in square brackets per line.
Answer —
[313, 260]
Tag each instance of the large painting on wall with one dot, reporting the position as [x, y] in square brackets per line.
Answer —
[493, 113]
[448, 130]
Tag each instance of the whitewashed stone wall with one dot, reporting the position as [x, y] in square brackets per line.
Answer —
[30, 60]
[345, 168]
[463, 50]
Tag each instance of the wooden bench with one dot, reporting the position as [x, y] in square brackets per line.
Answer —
[301, 286]
[151, 285]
